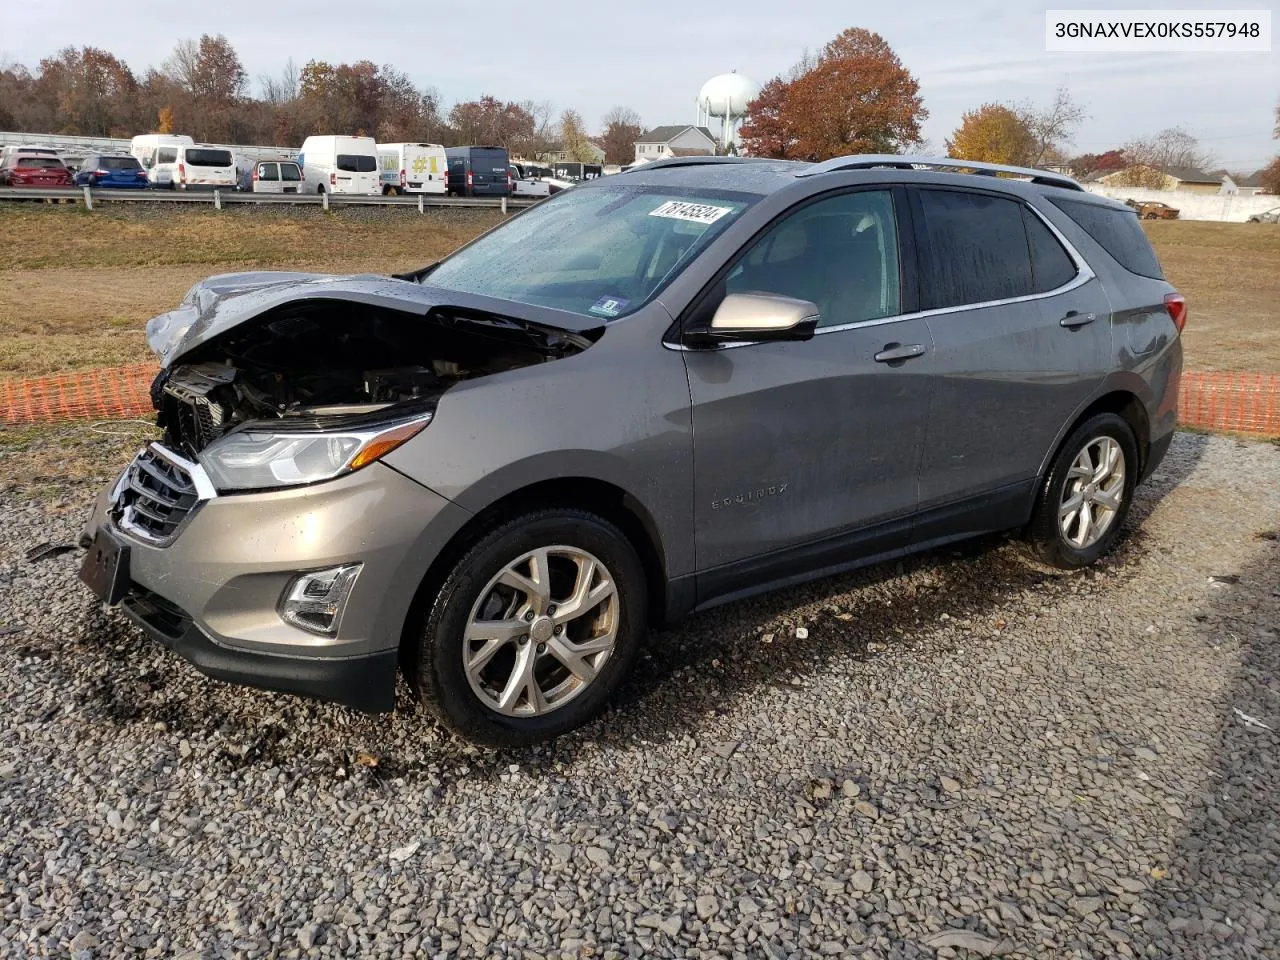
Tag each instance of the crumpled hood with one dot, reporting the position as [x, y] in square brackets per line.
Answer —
[221, 303]
[218, 304]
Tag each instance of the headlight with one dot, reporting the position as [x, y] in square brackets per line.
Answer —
[262, 459]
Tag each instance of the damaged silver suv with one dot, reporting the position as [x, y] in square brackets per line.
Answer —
[650, 394]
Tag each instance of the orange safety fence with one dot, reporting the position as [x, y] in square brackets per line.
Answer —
[1238, 402]
[104, 393]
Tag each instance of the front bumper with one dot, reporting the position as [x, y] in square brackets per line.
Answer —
[212, 593]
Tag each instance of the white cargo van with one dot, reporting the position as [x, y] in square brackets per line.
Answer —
[340, 165]
[413, 168]
[177, 162]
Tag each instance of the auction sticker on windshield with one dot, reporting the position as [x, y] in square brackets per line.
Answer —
[695, 212]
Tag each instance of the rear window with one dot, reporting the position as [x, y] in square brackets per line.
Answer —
[209, 158]
[26, 160]
[977, 249]
[357, 163]
[1117, 232]
[290, 171]
[118, 163]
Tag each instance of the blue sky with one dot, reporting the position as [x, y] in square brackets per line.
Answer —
[653, 55]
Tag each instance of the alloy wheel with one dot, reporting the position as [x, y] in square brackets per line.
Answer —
[1093, 493]
[541, 630]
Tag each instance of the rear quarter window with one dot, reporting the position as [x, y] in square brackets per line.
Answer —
[1117, 232]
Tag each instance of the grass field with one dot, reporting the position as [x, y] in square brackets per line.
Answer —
[76, 288]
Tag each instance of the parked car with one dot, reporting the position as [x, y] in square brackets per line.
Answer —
[1267, 216]
[111, 171]
[479, 171]
[413, 168]
[10, 150]
[176, 162]
[1153, 209]
[275, 176]
[647, 395]
[22, 169]
[332, 164]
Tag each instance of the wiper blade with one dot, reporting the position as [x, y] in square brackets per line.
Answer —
[416, 276]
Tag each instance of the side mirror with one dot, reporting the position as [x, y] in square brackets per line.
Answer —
[760, 317]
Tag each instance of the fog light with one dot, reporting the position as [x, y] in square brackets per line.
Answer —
[314, 601]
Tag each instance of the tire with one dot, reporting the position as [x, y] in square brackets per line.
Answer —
[1074, 547]
[471, 706]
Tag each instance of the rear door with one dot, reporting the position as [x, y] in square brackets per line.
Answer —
[1021, 330]
[489, 168]
[806, 453]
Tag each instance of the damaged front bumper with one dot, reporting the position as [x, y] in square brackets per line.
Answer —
[211, 583]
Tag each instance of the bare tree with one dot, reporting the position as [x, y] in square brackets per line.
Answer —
[283, 89]
[1052, 127]
[1151, 156]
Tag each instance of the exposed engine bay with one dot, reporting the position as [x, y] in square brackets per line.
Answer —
[320, 362]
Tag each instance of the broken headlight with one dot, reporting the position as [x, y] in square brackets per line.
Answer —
[254, 459]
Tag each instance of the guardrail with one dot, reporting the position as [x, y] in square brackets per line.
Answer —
[220, 198]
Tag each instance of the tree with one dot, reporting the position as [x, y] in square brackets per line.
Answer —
[1150, 157]
[1269, 177]
[490, 121]
[573, 138]
[992, 133]
[1088, 163]
[209, 72]
[164, 120]
[93, 92]
[856, 98]
[1051, 126]
[621, 131]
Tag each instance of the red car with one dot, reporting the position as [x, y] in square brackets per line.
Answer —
[32, 170]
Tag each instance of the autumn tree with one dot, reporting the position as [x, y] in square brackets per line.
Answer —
[93, 92]
[490, 121]
[1107, 162]
[573, 138]
[622, 129]
[164, 120]
[993, 133]
[210, 74]
[855, 98]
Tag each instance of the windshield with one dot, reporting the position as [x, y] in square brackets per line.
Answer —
[357, 163]
[209, 158]
[600, 253]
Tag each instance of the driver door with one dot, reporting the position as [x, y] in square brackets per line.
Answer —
[807, 454]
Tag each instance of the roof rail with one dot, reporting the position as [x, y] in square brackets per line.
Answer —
[869, 161]
[690, 162]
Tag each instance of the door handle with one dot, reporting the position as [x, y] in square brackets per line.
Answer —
[897, 352]
[1075, 318]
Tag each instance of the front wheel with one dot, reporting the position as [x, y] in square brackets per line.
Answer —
[1086, 494]
[533, 629]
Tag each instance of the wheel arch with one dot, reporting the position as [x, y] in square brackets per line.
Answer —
[1122, 399]
[602, 497]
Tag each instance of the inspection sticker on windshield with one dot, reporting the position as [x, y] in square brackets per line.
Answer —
[609, 306]
[696, 212]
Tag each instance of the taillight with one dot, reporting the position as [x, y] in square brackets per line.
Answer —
[333, 179]
[510, 182]
[1176, 304]
[100, 173]
[255, 174]
[403, 178]
[469, 178]
[182, 172]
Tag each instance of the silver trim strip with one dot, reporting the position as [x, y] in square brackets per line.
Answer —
[1084, 273]
[870, 161]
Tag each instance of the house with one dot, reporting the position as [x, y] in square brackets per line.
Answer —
[1181, 179]
[676, 140]
[1239, 185]
[596, 151]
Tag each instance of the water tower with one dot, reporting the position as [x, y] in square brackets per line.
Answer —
[725, 97]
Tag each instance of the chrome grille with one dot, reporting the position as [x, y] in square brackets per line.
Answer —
[154, 496]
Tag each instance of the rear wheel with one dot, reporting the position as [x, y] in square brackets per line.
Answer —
[533, 629]
[1086, 494]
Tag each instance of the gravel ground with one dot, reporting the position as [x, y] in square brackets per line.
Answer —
[956, 756]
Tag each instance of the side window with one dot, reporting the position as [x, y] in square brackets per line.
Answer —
[169, 155]
[977, 249]
[1117, 231]
[1051, 266]
[840, 252]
